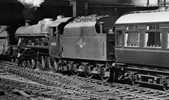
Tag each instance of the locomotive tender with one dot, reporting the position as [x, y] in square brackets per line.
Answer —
[142, 46]
[85, 46]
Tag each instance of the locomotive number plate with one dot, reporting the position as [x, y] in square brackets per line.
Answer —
[53, 44]
[107, 74]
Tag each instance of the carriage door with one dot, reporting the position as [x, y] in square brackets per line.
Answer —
[54, 43]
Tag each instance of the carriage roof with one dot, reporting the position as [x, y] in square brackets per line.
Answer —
[144, 17]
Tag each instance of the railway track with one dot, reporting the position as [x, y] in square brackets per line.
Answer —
[34, 90]
[84, 87]
[52, 80]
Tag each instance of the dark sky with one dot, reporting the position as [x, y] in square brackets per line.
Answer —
[10, 11]
[13, 12]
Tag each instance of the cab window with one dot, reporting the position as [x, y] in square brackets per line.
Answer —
[53, 31]
[168, 40]
[119, 38]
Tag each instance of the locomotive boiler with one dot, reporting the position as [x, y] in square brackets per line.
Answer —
[33, 44]
[142, 47]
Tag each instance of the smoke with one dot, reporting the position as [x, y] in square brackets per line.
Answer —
[33, 3]
[30, 8]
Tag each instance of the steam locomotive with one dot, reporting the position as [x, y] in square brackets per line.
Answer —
[132, 48]
[78, 45]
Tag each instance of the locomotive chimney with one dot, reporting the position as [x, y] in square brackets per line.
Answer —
[148, 3]
[27, 22]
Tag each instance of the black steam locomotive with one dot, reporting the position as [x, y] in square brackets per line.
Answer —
[78, 45]
[132, 48]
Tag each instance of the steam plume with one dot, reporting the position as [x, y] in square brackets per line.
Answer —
[34, 3]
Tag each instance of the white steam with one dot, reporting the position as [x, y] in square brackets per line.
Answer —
[35, 3]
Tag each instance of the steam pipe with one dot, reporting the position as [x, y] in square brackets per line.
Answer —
[148, 3]
[101, 27]
[74, 4]
[164, 3]
[86, 8]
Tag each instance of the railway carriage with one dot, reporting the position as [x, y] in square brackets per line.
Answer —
[142, 46]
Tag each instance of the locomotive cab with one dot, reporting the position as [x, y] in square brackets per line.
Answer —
[54, 37]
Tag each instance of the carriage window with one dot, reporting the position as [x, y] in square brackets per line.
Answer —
[168, 40]
[153, 39]
[132, 39]
[119, 38]
[153, 27]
